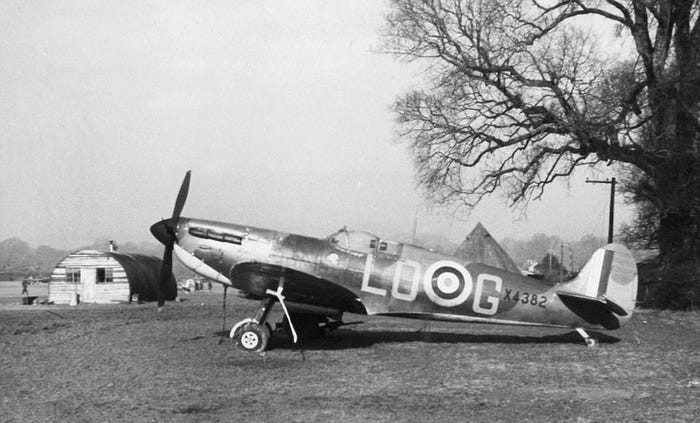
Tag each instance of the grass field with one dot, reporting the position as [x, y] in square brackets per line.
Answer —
[127, 363]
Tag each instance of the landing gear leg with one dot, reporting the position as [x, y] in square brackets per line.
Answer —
[590, 342]
[253, 335]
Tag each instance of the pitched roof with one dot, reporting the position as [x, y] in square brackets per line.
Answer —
[480, 247]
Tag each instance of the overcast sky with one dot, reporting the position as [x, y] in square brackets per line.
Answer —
[280, 108]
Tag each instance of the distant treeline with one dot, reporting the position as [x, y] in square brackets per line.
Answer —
[19, 260]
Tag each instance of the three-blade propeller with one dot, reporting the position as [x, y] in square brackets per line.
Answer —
[164, 231]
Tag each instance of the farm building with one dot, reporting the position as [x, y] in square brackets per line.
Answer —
[92, 276]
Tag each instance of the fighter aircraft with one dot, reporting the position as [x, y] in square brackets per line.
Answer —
[317, 280]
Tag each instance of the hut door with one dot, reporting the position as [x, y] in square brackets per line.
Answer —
[88, 277]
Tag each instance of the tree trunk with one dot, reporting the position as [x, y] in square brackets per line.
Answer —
[678, 261]
[675, 103]
[678, 236]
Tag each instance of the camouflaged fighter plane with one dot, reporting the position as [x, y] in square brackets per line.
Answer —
[317, 280]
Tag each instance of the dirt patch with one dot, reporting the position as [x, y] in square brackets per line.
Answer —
[128, 363]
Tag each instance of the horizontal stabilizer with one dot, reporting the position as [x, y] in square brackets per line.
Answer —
[603, 301]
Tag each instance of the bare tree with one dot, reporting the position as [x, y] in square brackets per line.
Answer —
[520, 93]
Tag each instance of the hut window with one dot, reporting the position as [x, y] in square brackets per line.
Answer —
[73, 274]
[104, 275]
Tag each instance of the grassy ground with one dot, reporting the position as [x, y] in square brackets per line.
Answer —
[127, 363]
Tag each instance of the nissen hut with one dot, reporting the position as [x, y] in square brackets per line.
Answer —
[92, 276]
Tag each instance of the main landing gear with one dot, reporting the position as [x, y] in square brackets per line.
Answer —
[590, 342]
[253, 334]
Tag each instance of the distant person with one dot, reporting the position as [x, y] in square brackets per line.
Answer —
[25, 284]
[209, 284]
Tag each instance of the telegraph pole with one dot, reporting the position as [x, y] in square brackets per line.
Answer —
[561, 265]
[415, 227]
[571, 258]
[612, 183]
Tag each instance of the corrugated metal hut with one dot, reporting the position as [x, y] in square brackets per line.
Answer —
[107, 277]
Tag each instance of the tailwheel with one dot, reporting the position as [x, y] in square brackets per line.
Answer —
[251, 336]
[591, 342]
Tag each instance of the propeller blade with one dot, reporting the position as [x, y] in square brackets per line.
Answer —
[164, 231]
[166, 273]
[182, 196]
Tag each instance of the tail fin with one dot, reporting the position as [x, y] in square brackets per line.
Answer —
[605, 290]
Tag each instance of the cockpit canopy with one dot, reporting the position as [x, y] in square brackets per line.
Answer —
[354, 240]
[363, 242]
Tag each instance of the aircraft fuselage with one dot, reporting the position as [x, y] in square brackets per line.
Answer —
[363, 273]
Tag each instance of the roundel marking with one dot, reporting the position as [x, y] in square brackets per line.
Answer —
[447, 283]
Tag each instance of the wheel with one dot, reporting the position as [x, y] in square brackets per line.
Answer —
[251, 337]
[591, 342]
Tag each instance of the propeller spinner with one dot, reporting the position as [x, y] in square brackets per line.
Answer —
[164, 231]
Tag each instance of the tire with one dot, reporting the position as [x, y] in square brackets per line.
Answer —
[251, 337]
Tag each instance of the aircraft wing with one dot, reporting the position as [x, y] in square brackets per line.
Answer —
[303, 290]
